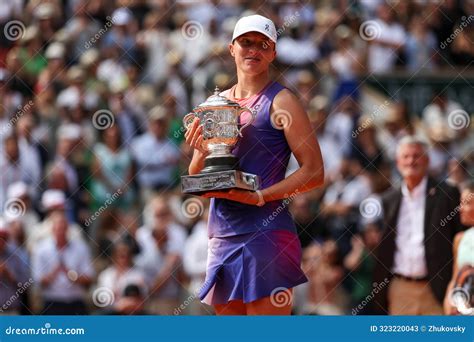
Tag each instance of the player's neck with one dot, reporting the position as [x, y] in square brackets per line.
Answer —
[249, 85]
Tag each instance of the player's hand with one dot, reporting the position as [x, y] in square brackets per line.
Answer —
[194, 137]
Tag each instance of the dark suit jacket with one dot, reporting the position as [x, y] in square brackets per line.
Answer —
[440, 226]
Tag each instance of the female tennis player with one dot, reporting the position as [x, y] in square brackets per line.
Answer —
[254, 252]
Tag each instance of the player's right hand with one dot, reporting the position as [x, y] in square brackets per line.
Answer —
[194, 137]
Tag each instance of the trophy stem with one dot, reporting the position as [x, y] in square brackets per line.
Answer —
[223, 163]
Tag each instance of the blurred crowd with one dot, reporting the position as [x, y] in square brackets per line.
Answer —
[92, 96]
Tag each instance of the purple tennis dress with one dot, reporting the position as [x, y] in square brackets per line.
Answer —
[254, 251]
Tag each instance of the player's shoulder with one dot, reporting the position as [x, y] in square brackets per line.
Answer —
[286, 98]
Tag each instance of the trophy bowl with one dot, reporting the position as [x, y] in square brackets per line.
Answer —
[219, 118]
[221, 130]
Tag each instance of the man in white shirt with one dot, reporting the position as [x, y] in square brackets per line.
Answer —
[155, 154]
[63, 269]
[420, 221]
[390, 37]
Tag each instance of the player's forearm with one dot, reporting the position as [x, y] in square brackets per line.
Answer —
[304, 179]
[197, 163]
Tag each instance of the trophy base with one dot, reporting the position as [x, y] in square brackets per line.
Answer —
[221, 180]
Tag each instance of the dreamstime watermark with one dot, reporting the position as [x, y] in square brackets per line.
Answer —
[281, 297]
[464, 23]
[46, 330]
[280, 208]
[454, 212]
[21, 288]
[14, 208]
[103, 296]
[103, 119]
[189, 300]
[192, 30]
[376, 289]
[21, 110]
[370, 30]
[103, 207]
[192, 208]
[179, 132]
[370, 208]
[14, 30]
[459, 119]
[96, 37]
[369, 121]
[288, 21]
[281, 119]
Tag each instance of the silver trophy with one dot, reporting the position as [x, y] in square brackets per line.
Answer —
[219, 118]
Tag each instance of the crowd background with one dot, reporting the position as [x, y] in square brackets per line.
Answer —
[92, 95]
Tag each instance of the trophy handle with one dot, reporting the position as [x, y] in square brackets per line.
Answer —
[253, 113]
[188, 119]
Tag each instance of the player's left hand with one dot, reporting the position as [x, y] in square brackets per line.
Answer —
[238, 195]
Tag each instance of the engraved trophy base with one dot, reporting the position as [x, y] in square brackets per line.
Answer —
[220, 180]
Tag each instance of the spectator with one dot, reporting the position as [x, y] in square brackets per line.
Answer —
[340, 204]
[458, 172]
[21, 193]
[154, 40]
[421, 46]
[366, 148]
[13, 274]
[388, 41]
[340, 123]
[76, 94]
[463, 252]
[155, 155]
[53, 203]
[115, 279]
[195, 261]
[414, 254]
[360, 263]
[112, 170]
[29, 152]
[309, 227]
[436, 114]
[346, 63]
[63, 269]
[324, 294]
[121, 35]
[14, 168]
[161, 246]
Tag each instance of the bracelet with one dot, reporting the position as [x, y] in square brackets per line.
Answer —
[261, 200]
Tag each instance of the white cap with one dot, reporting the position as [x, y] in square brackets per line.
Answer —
[4, 226]
[121, 16]
[44, 11]
[17, 190]
[255, 23]
[53, 198]
[69, 131]
[55, 50]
